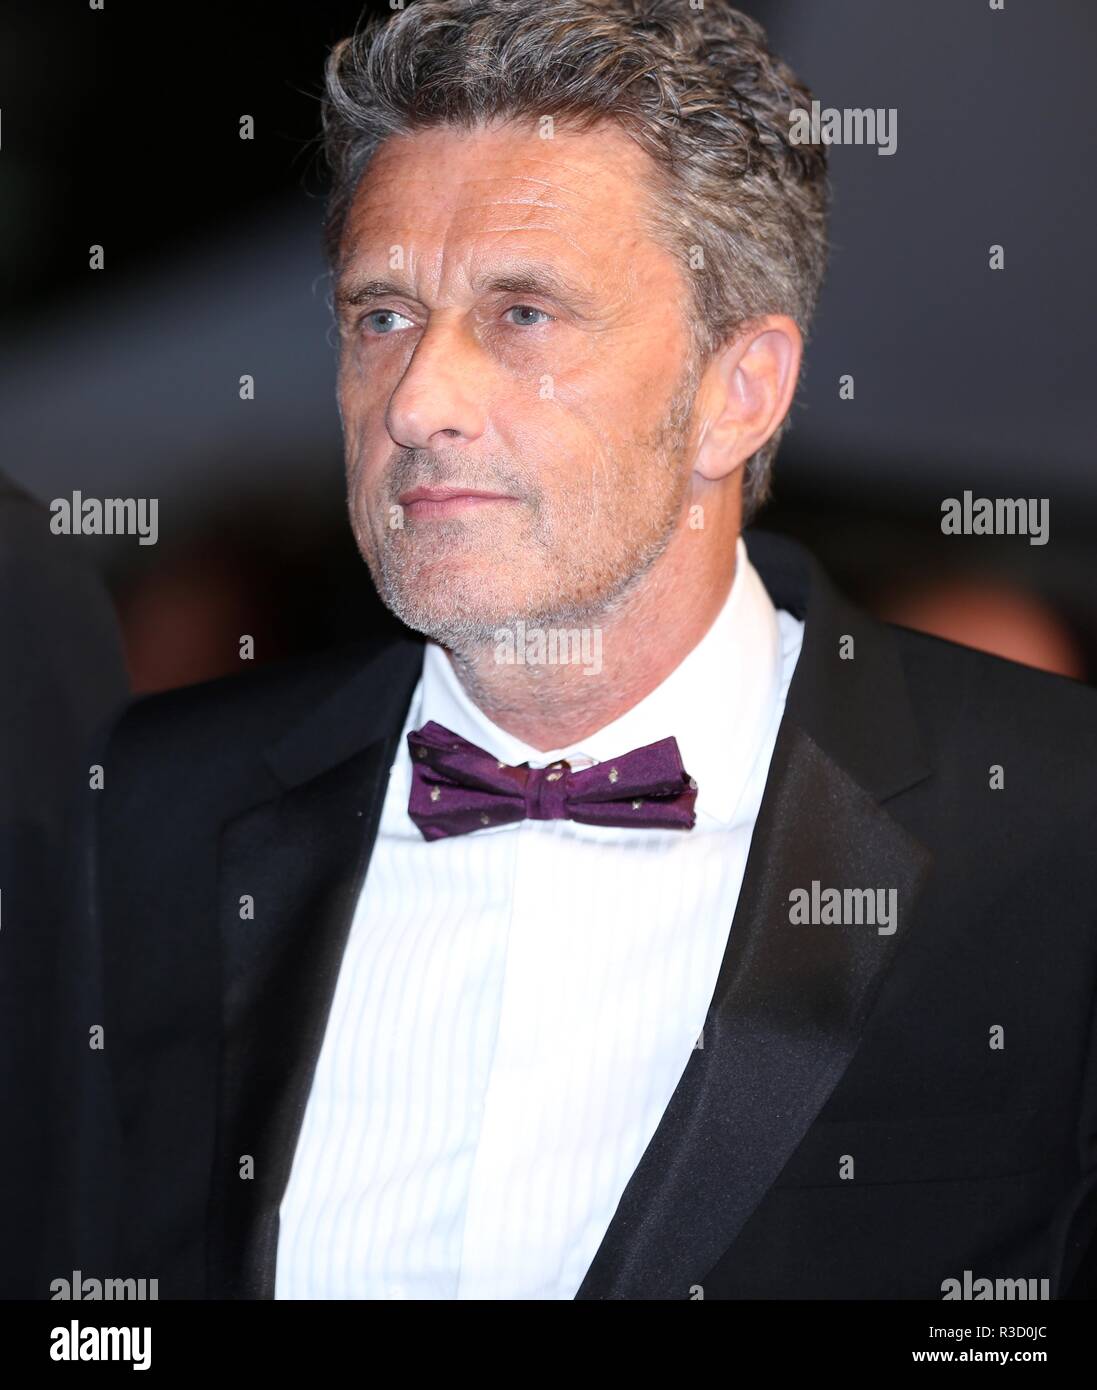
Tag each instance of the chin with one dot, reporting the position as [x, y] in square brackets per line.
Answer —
[454, 608]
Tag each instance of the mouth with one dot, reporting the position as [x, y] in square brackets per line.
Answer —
[424, 502]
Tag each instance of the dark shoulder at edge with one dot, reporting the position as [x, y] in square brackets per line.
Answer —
[250, 709]
[959, 692]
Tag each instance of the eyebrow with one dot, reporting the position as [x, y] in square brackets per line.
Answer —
[540, 280]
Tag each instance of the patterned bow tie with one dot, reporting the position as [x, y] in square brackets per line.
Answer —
[457, 787]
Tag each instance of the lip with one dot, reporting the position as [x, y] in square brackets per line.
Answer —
[446, 501]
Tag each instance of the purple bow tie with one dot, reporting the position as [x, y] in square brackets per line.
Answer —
[457, 787]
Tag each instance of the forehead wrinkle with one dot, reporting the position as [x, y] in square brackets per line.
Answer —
[516, 202]
[527, 227]
[476, 180]
[437, 259]
[471, 269]
[407, 234]
[506, 200]
[450, 232]
[581, 172]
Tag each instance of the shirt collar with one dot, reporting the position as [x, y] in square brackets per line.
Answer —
[717, 702]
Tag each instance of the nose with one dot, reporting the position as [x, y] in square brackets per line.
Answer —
[440, 397]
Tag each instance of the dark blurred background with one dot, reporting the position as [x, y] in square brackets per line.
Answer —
[120, 128]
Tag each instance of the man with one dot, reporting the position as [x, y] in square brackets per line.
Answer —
[662, 927]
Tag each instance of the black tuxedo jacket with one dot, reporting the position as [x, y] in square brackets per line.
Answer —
[868, 1116]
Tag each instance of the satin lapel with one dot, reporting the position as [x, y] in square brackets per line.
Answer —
[787, 1012]
[301, 857]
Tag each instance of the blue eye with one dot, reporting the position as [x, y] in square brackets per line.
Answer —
[381, 322]
[383, 314]
[529, 309]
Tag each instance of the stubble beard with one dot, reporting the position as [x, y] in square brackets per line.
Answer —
[556, 583]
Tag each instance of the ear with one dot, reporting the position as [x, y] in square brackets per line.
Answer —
[746, 392]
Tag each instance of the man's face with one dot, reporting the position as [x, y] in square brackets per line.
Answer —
[507, 327]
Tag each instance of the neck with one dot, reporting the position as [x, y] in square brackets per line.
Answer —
[551, 701]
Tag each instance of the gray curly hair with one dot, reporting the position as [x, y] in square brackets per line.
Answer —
[742, 208]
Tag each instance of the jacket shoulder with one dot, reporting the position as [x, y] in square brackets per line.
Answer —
[968, 702]
[232, 718]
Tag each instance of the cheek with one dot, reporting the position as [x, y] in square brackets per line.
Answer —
[569, 443]
[364, 491]
[365, 440]
[361, 400]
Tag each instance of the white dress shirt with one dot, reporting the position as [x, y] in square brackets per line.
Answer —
[516, 1005]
